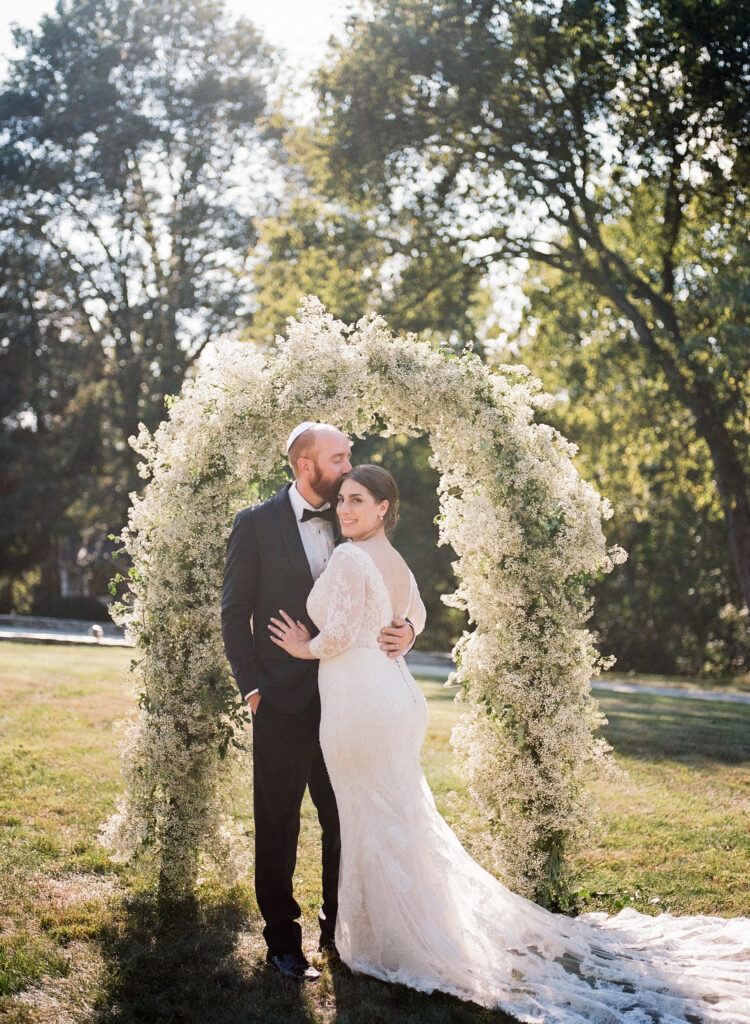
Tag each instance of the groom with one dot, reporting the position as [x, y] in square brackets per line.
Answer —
[275, 553]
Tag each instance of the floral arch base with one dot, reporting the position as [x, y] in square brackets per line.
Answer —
[527, 532]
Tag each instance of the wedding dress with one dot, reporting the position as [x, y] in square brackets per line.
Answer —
[415, 908]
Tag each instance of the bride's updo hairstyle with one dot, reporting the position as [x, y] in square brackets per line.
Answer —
[382, 487]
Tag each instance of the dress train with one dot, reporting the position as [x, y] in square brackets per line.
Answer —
[414, 907]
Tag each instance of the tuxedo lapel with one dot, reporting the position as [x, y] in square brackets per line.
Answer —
[292, 540]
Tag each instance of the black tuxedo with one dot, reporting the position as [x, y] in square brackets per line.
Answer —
[267, 570]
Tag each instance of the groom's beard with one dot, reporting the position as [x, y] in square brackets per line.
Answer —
[325, 487]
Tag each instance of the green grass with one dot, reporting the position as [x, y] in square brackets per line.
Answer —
[79, 941]
[676, 827]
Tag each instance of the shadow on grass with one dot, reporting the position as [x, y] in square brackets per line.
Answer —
[362, 1000]
[189, 968]
[659, 728]
[185, 967]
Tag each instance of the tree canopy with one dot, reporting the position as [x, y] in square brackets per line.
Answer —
[675, 605]
[133, 161]
[152, 199]
[608, 141]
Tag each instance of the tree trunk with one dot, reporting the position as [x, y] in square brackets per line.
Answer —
[731, 480]
[738, 524]
[733, 491]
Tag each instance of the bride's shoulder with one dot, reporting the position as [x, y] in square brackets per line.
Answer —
[347, 552]
[347, 561]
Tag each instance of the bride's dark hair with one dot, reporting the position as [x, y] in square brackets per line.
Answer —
[382, 487]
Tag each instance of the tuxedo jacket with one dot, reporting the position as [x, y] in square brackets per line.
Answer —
[266, 570]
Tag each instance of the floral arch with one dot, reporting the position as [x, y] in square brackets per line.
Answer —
[527, 532]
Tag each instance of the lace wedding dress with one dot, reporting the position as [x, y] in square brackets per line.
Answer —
[414, 907]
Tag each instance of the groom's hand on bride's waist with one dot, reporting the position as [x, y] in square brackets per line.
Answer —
[397, 638]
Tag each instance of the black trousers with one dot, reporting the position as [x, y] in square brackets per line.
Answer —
[287, 759]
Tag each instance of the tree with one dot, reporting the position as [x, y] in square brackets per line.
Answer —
[606, 140]
[674, 607]
[133, 155]
[354, 259]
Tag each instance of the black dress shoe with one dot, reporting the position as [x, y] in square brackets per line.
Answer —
[293, 965]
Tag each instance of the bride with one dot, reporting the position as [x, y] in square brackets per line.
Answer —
[414, 907]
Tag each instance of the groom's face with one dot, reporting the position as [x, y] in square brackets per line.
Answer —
[329, 463]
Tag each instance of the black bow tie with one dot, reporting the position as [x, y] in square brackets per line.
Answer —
[322, 513]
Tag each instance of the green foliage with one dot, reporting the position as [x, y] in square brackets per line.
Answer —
[606, 141]
[308, 248]
[126, 220]
[675, 605]
[86, 609]
[355, 259]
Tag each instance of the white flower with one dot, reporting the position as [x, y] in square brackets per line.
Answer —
[528, 536]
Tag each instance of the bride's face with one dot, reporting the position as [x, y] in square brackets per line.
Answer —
[360, 513]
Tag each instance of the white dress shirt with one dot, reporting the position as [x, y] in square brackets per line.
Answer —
[316, 534]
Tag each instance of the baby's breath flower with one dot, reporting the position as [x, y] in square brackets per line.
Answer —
[527, 533]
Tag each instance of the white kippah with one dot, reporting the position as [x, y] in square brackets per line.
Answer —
[299, 429]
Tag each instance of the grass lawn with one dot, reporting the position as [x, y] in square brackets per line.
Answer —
[79, 944]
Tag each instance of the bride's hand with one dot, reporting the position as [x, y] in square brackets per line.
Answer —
[292, 637]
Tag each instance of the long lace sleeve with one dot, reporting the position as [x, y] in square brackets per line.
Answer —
[416, 613]
[340, 594]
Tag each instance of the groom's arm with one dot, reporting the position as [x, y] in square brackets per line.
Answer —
[398, 638]
[238, 599]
